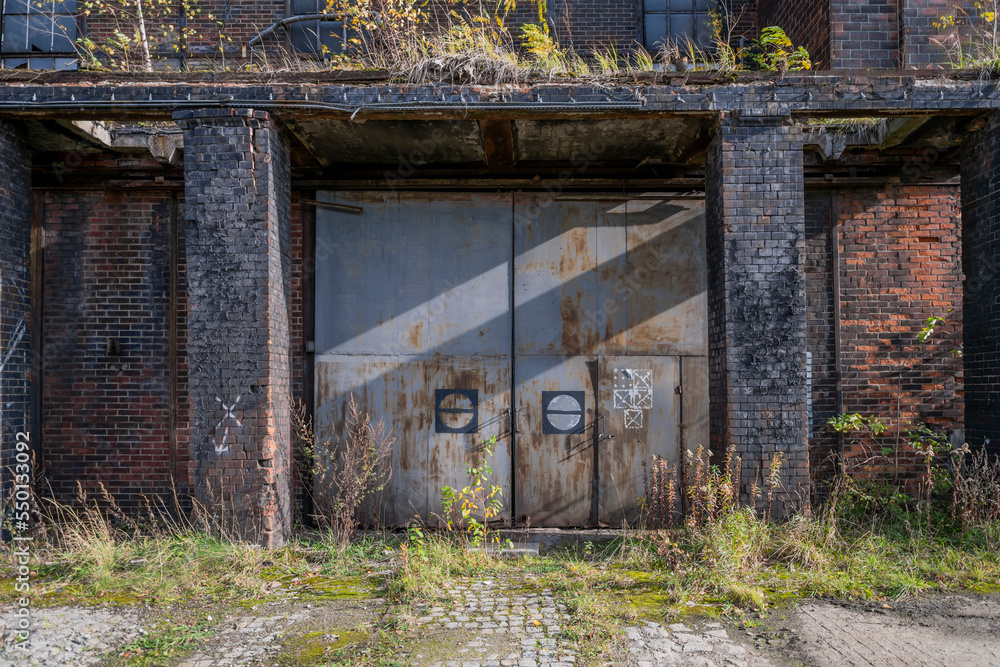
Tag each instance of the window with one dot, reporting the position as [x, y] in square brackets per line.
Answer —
[313, 36]
[38, 34]
[679, 20]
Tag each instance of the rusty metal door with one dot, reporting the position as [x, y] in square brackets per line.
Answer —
[438, 312]
[609, 305]
[413, 318]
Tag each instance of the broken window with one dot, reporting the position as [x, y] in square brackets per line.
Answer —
[679, 21]
[38, 34]
[319, 37]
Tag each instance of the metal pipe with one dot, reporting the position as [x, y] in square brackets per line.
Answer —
[326, 204]
[837, 343]
[288, 21]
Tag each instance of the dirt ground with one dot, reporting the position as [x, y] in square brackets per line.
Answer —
[937, 630]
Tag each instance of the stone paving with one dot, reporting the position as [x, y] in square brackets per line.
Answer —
[529, 624]
[246, 641]
[69, 636]
[488, 623]
[708, 645]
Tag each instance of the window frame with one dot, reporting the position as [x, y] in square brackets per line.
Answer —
[50, 58]
[313, 27]
[700, 40]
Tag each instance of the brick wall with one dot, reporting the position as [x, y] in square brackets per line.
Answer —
[981, 245]
[920, 49]
[16, 371]
[900, 263]
[806, 22]
[237, 185]
[865, 34]
[239, 21]
[757, 301]
[586, 25]
[820, 334]
[107, 411]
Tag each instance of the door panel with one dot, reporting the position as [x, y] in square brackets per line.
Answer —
[413, 320]
[642, 417]
[609, 293]
[438, 312]
[554, 452]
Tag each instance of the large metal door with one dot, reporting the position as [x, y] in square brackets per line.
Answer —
[609, 302]
[413, 320]
[434, 309]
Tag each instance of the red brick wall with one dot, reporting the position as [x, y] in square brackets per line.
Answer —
[806, 22]
[106, 417]
[900, 263]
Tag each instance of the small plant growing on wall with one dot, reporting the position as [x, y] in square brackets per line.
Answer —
[471, 508]
[346, 472]
[775, 52]
[970, 36]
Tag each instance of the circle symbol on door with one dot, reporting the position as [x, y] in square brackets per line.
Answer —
[456, 410]
[562, 412]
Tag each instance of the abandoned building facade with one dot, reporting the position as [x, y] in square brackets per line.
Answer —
[592, 271]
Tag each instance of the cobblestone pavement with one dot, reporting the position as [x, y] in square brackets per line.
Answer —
[247, 640]
[69, 636]
[505, 627]
[707, 645]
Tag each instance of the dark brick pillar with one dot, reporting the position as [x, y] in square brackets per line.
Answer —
[757, 302]
[237, 198]
[16, 372]
[981, 265]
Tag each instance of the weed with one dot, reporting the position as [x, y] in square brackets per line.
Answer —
[775, 52]
[971, 36]
[344, 474]
[164, 641]
[472, 508]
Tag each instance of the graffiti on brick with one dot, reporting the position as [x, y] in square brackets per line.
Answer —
[229, 421]
[633, 394]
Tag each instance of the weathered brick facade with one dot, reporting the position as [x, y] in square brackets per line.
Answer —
[981, 254]
[114, 390]
[920, 35]
[899, 257]
[17, 372]
[865, 34]
[757, 301]
[237, 193]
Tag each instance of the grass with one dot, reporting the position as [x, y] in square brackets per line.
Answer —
[728, 563]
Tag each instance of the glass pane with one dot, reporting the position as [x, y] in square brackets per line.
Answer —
[64, 34]
[704, 37]
[66, 63]
[655, 5]
[682, 27]
[656, 30]
[332, 36]
[703, 5]
[14, 63]
[40, 63]
[40, 29]
[305, 7]
[15, 6]
[304, 36]
[65, 7]
[15, 34]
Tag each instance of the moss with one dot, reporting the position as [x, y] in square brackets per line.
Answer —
[318, 647]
